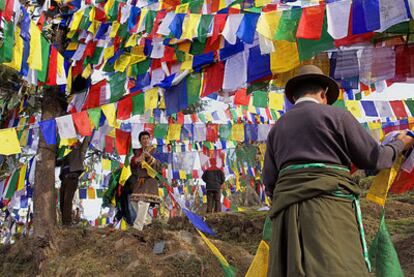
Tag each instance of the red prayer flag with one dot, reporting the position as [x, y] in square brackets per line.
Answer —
[94, 95]
[213, 79]
[212, 132]
[52, 70]
[226, 203]
[82, 123]
[219, 23]
[241, 97]
[109, 144]
[399, 109]
[403, 182]
[311, 22]
[123, 141]
[124, 108]
[8, 10]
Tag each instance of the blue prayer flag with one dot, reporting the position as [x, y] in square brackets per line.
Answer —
[247, 28]
[48, 129]
[369, 108]
[198, 222]
[258, 65]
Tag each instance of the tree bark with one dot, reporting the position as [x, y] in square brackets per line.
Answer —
[44, 192]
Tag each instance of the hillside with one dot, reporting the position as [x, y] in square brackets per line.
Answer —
[86, 251]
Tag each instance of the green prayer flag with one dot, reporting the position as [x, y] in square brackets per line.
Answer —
[149, 21]
[340, 104]
[260, 99]
[202, 117]
[410, 105]
[160, 131]
[117, 85]
[203, 27]
[197, 47]
[96, 55]
[196, 6]
[2, 5]
[224, 131]
[95, 116]
[288, 25]
[6, 50]
[382, 253]
[42, 74]
[113, 12]
[11, 188]
[308, 48]
[193, 88]
[138, 104]
[123, 31]
[143, 66]
[114, 165]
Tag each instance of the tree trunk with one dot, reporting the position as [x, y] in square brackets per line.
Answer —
[44, 193]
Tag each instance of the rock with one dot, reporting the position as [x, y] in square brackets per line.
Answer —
[185, 236]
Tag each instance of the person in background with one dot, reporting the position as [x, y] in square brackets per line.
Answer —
[316, 222]
[144, 188]
[214, 179]
[71, 167]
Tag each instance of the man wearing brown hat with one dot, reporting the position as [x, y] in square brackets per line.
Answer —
[316, 220]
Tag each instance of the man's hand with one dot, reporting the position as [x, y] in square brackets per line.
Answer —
[406, 139]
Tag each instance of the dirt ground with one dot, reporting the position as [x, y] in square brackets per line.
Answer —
[86, 251]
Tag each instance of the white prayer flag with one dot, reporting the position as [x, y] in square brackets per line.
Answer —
[338, 18]
[66, 127]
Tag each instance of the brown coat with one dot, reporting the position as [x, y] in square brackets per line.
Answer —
[144, 187]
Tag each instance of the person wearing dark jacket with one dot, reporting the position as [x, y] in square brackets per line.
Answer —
[214, 179]
[71, 167]
[316, 221]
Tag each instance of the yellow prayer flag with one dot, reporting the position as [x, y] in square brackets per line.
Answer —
[17, 58]
[190, 26]
[67, 142]
[183, 8]
[72, 46]
[237, 132]
[9, 142]
[124, 225]
[187, 63]
[378, 191]
[114, 29]
[259, 265]
[354, 107]
[151, 99]
[144, 13]
[109, 111]
[92, 14]
[35, 55]
[214, 249]
[151, 172]
[182, 175]
[268, 23]
[108, 52]
[125, 173]
[87, 71]
[174, 132]
[160, 192]
[94, 26]
[285, 58]
[108, 6]
[106, 164]
[91, 193]
[122, 62]
[76, 19]
[276, 101]
[60, 64]
[22, 177]
[132, 41]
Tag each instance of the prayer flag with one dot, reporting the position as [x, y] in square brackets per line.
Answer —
[311, 22]
[65, 127]
[9, 142]
[123, 142]
[82, 123]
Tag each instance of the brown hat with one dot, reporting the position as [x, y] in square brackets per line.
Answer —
[312, 72]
